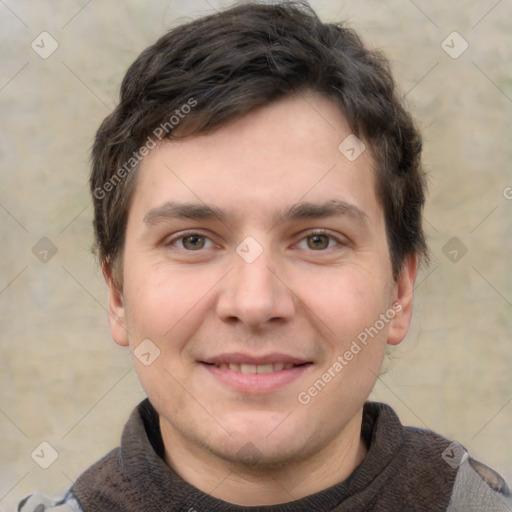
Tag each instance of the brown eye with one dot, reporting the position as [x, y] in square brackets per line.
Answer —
[193, 242]
[318, 242]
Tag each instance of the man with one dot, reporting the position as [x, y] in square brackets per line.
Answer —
[258, 196]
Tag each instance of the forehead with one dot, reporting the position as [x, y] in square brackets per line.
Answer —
[287, 152]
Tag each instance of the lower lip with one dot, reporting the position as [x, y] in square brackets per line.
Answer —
[256, 382]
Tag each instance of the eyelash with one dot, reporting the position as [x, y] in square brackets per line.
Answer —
[182, 237]
[321, 232]
[311, 233]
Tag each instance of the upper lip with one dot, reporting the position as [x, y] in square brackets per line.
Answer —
[239, 358]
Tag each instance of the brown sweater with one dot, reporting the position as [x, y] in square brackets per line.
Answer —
[406, 469]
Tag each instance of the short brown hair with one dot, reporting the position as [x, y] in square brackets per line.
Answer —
[227, 64]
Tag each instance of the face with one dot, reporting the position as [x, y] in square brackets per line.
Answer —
[256, 263]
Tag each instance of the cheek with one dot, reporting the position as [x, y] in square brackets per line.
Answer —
[346, 301]
[349, 307]
[167, 309]
[166, 304]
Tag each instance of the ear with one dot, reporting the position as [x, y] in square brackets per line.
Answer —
[403, 300]
[115, 308]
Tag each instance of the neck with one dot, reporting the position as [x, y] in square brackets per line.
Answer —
[260, 484]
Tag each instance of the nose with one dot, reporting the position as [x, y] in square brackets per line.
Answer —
[255, 294]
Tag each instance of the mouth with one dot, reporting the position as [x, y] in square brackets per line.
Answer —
[249, 368]
[255, 375]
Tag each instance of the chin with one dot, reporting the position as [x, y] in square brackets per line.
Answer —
[258, 457]
[262, 442]
[261, 426]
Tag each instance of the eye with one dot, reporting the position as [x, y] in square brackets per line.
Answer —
[192, 242]
[318, 242]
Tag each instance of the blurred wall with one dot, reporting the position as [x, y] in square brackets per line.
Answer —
[64, 382]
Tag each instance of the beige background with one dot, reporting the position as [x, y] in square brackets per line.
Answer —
[63, 380]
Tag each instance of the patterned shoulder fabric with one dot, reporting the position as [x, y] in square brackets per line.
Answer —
[39, 502]
[490, 477]
[478, 488]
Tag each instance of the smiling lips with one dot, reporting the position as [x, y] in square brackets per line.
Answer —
[245, 363]
[256, 374]
[255, 368]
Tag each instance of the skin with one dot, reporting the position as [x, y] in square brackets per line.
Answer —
[306, 297]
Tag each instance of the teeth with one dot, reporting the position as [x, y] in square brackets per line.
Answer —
[255, 368]
[264, 368]
[248, 368]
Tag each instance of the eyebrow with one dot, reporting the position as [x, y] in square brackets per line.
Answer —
[332, 208]
[190, 211]
[299, 211]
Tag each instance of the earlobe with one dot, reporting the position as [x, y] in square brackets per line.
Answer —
[403, 303]
[115, 308]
